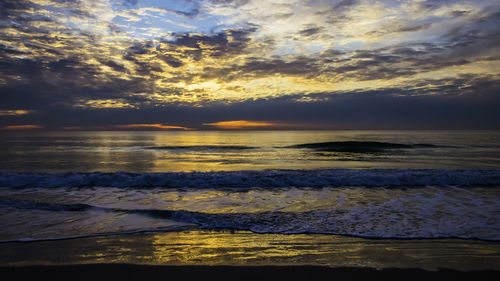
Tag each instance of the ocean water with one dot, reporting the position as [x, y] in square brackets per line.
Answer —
[370, 184]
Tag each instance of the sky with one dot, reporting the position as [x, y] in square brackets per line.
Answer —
[249, 64]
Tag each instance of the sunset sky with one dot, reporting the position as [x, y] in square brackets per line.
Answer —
[249, 64]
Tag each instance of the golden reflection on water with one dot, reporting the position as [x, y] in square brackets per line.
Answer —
[251, 249]
[264, 152]
[242, 248]
[136, 151]
[247, 248]
[203, 159]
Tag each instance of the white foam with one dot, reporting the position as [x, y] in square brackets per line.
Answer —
[366, 203]
[408, 215]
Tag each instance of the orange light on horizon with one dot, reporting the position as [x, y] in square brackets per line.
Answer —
[240, 124]
[22, 127]
[151, 126]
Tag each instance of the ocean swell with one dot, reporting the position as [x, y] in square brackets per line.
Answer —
[384, 220]
[359, 146]
[200, 147]
[260, 179]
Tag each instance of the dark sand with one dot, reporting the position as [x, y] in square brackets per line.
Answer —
[150, 272]
[158, 256]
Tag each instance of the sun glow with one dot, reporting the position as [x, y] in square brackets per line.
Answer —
[240, 124]
[151, 126]
[22, 127]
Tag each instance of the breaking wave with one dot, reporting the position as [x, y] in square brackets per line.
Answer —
[261, 179]
[397, 218]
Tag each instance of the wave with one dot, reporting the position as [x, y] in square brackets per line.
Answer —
[359, 146]
[259, 179]
[200, 147]
[339, 146]
[102, 234]
[55, 207]
[374, 222]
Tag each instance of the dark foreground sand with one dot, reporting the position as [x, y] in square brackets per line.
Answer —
[245, 255]
[150, 272]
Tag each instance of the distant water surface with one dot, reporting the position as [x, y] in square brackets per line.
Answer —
[246, 150]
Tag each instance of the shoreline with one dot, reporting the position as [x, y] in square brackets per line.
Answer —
[204, 248]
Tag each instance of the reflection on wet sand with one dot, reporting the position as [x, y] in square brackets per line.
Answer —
[242, 248]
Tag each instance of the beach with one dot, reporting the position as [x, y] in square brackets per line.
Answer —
[249, 139]
[242, 253]
[134, 272]
[363, 205]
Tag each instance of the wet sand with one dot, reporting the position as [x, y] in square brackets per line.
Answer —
[242, 253]
[151, 272]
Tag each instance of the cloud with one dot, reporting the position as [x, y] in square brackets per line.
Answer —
[467, 102]
[14, 112]
[21, 127]
[239, 124]
[150, 126]
[86, 58]
[310, 30]
[105, 103]
[139, 127]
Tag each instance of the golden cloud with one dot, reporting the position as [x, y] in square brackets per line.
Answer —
[14, 112]
[294, 51]
[151, 126]
[240, 124]
[22, 127]
[105, 103]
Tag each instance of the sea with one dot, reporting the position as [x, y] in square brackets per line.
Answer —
[426, 199]
[368, 184]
